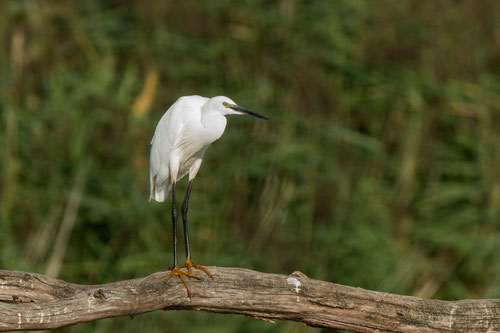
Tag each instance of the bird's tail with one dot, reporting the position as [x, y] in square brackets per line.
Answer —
[159, 194]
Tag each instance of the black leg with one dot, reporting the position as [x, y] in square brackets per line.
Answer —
[176, 270]
[184, 210]
[189, 264]
[174, 222]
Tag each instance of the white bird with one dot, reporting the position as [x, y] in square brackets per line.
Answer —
[180, 140]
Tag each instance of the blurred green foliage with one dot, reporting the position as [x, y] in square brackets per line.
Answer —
[379, 167]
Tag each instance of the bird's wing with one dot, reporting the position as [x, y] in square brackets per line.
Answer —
[175, 133]
[179, 121]
[161, 147]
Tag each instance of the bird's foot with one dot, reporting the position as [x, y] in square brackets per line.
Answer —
[176, 270]
[189, 265]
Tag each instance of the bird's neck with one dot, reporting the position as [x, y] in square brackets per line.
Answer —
[214, 123]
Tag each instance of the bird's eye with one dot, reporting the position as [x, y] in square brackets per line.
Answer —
[226, 104]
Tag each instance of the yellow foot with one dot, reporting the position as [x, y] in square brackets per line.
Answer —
[176, 270]
[189, 264]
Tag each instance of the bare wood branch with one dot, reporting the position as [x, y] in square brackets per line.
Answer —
[33, 301]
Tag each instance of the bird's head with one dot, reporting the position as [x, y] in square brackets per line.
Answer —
[227, 106]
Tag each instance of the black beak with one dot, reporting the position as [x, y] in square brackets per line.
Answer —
[255, 114]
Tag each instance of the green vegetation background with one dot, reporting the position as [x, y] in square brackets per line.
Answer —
[379, 167]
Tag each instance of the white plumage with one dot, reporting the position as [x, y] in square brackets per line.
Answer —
[182, 136]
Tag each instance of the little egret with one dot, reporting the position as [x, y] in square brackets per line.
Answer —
[181, 138]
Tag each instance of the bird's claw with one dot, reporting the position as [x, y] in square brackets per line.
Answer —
[189, 265]
[176, 270]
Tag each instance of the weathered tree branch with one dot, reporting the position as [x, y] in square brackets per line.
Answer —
[35, 301]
